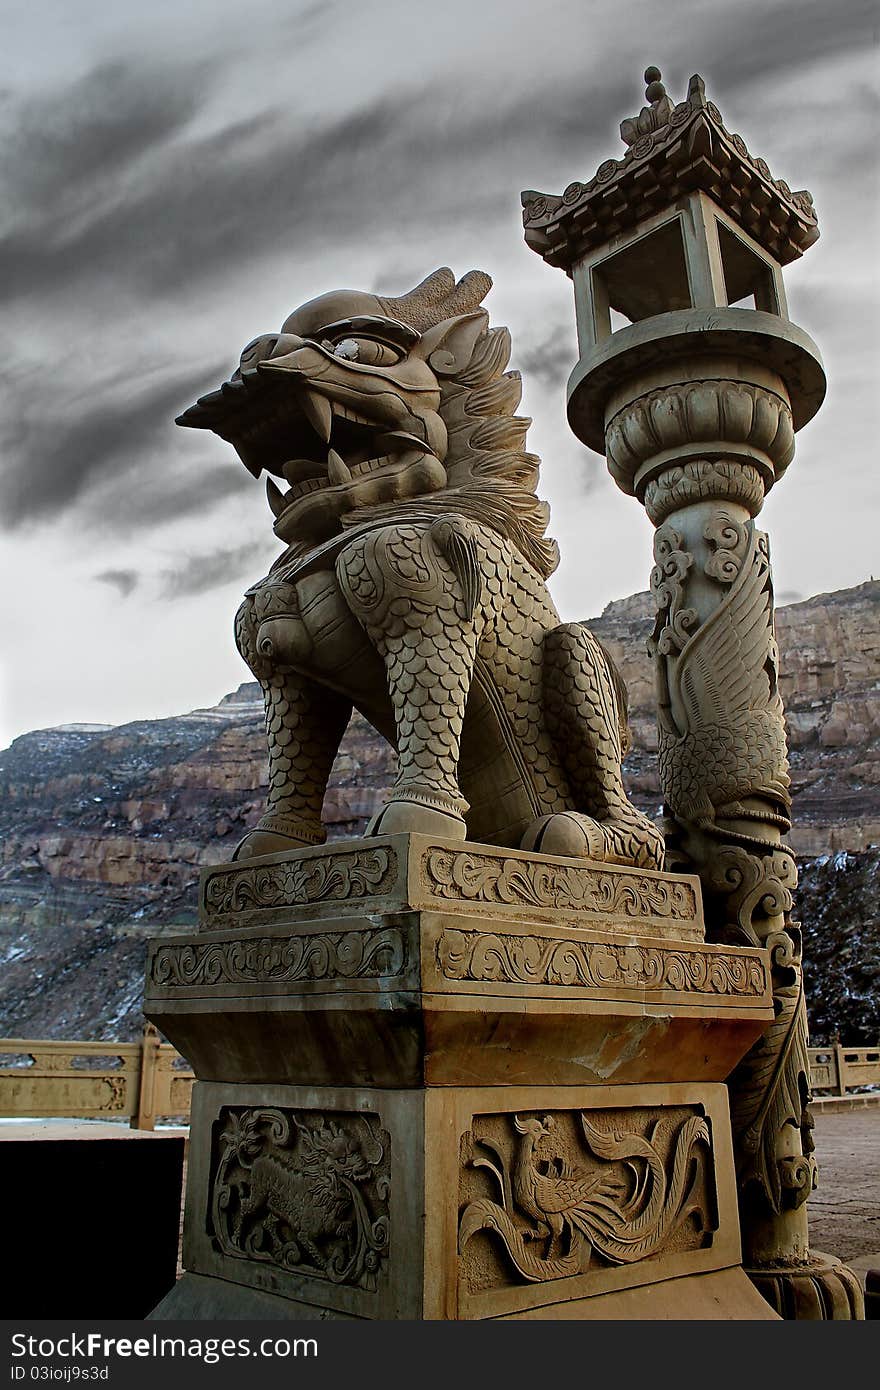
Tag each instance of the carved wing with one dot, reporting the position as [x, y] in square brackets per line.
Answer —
[770, 1092]
[722, 669]
[570, 1195]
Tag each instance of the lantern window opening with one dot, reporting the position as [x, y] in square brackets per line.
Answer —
[749, 281]
[648, 276]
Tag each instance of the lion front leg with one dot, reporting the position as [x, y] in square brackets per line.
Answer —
[305, 723]
[414, 589]
[585, 712]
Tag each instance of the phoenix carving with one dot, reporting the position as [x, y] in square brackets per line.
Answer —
[723, 754]
[624, 1202]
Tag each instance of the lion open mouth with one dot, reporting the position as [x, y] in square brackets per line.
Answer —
[332, 457]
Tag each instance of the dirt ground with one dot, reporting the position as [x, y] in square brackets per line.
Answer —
[844, 1210]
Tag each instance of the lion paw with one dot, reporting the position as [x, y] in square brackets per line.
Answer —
[257, 842]
[275, 834]
[568, 834]
[402, 815]
[571, 835]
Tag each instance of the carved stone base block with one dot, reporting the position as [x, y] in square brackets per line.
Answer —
[462, 1203]
[446, 1081]
[404, 961]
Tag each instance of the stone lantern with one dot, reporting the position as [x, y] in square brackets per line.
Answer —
[693, 381]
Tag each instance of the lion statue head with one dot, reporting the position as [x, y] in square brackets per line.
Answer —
[364, 405]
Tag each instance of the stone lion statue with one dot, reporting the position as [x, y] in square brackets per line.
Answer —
[412, 586]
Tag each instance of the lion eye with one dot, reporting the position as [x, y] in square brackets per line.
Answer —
[367, 350]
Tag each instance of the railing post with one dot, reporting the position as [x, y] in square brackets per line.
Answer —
[840, 1065]
[146, 1111]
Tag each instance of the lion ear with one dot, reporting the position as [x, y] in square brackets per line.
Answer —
[449, 345]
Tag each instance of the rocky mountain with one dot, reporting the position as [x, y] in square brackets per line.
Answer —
[103, 830]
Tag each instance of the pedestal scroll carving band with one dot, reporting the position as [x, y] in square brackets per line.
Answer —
[296, 882]
[347, 955]
[465, 876]
[537, 960]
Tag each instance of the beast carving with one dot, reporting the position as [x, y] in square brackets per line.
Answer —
[412, 586]
[303, 1190]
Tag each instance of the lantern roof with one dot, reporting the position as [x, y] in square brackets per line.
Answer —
[672, 150]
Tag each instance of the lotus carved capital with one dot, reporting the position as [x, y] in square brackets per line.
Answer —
[744, 425]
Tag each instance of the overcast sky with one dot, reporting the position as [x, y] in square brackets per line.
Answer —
[176, 177]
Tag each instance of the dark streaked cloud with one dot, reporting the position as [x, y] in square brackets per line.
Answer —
[61, 444]
[104, 179]
[749, 44]
[175, 497]
[550, 360]
[199, 573]
[107, 189]
[126, 581]
[188, 207]
[106, 183]
[62, 144]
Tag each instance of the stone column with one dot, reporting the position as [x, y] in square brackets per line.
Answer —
[695, 401]
[699, 442]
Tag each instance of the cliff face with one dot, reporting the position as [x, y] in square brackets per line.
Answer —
[103, 830]
[102, 834]
[830, 681]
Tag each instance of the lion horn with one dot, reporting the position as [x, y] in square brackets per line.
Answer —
[438, 297]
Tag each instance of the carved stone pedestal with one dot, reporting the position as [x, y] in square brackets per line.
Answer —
[449, 1081]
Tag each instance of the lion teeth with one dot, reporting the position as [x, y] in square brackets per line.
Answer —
[345, 412]
[275, 497]
[400, 439]
[338, 470]
[370, 465]
[318, 413]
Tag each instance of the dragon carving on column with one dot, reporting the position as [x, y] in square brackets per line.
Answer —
[412, 586]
